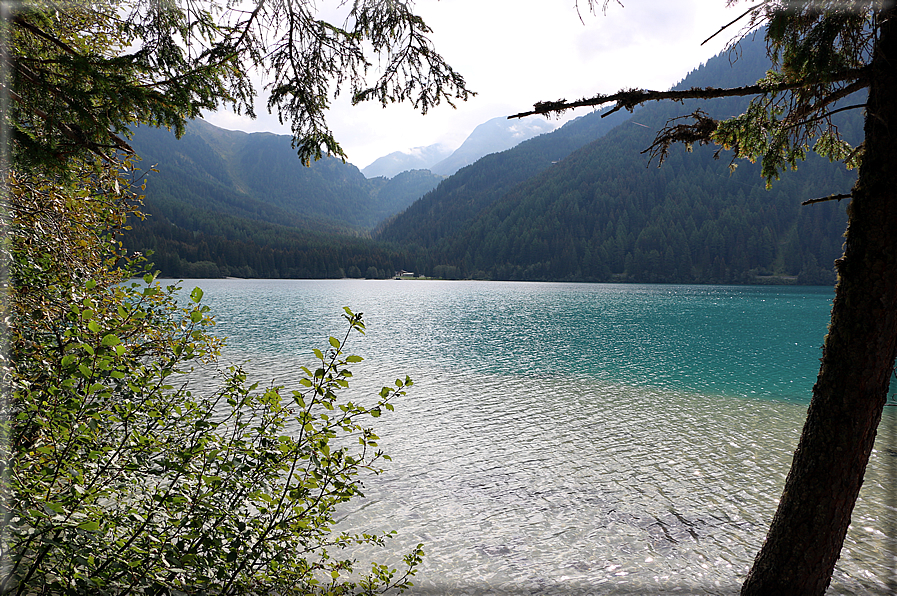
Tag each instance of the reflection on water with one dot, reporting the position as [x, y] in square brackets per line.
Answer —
[565, 438]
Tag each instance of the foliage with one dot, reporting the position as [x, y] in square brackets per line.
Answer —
[85, 70]
[118, 477]
[820, 52]
[122, 479]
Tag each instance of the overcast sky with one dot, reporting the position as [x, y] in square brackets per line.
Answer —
[514, 53]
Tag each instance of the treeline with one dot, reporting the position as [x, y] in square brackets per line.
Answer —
[580, 204]
[604, 213]
[594, 217]
[231, 247]
[668, 225]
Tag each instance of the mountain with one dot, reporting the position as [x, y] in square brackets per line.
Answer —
[458, 200]
[258, 176]
[597, 213]
[492, 136]
[230, 203]
[418, 158]
[581, 203]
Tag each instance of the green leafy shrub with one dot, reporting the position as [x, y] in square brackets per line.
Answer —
[119, 478]
[123, 480]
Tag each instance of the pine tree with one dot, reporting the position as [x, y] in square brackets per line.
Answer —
[824, 53]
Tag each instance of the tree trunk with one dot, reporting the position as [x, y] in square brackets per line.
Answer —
[809, 527]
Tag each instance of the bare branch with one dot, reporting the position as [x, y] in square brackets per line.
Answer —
[829, 198]
[630, 98]
[592, 4]
[736, 19]
[826, 115]
[799, 115]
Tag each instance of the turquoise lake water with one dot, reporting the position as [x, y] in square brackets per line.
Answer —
[573, 438]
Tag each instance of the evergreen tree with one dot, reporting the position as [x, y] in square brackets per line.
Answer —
[823, 52]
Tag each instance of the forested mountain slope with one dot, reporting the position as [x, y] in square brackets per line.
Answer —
[580, 203]
[457, 200]
[604, 214]
[230, 203]
[258, 176]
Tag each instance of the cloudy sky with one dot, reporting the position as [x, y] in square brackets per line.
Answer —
[514, 53]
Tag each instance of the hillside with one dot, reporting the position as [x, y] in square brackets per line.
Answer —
[230, 203]
[258, 176]
[458, 200]
[579, 203]
[603, 214]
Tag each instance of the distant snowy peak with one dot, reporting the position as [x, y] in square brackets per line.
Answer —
[418, 158]
[498, 134]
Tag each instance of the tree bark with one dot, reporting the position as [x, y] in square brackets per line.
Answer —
[808, 530]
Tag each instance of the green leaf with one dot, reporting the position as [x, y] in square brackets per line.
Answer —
[111, 340]
[55, 507]
[89, 526]
[93, 326]
[354, 358]
[196, 295]
[334, 342]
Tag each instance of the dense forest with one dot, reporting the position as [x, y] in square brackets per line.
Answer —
[226, 203]
[582, 203]
[604, 213]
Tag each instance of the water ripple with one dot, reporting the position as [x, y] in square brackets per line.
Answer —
[576, 439]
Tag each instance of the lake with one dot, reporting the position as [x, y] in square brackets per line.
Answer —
[573, 438]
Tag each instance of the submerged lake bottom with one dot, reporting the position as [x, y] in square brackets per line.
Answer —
[574, 438]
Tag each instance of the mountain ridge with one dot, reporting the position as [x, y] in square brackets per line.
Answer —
[597, 213]
[580, 203]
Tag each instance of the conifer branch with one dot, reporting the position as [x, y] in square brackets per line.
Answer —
[23, 23]
[74, 133]
[699, 132]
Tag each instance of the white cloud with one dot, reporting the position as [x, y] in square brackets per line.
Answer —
[517, 52]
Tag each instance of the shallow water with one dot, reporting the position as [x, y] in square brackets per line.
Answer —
[574, 438]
